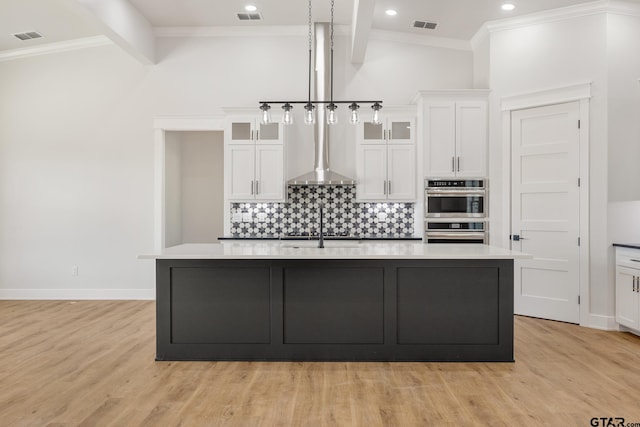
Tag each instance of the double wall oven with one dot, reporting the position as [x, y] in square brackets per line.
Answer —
[456, 210]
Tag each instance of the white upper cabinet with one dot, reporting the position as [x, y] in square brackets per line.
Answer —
[254, 160]
[401, 172]
[269, 178]
[385, 160]
[393, 130]
[455, 133]
[249, 130]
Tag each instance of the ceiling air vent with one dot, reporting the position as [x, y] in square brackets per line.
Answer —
[425, 24]
[28, 35]
[242, 16]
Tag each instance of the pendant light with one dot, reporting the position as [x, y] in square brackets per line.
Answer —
[309, 104]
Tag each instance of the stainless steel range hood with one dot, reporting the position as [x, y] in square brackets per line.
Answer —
[321, 173]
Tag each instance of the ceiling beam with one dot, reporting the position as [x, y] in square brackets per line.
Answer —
[360, 28]
[123, 24]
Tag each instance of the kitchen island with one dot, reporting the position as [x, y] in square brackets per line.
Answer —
[348, 301]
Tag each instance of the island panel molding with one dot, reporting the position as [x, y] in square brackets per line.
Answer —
[331, 309]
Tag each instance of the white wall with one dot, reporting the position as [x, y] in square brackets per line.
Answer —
[594, 48]
[549, 55]
[173, 189]
[624, 107]
[76, 143]
[202, 186]
[481, 63]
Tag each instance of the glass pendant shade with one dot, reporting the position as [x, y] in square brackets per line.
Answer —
[353, 117]
[309, 114]
[266, 115]
[287, 117]
[376, 113]
[332, 116]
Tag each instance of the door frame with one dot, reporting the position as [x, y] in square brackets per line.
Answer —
[580, 93]
[161, 125]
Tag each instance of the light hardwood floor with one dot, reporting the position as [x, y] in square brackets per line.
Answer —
[91, 363]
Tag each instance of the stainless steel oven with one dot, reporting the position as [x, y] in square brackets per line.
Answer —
[456, 198]
[456, 232]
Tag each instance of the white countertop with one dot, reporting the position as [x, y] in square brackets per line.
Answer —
[333, 250]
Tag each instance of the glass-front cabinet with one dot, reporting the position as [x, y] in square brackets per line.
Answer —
[254, 160]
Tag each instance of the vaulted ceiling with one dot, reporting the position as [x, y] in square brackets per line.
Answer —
[64, 20]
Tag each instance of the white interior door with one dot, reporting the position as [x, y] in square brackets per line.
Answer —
[545, 165]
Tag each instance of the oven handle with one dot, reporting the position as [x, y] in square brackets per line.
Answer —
[456, 235]
[437, 193]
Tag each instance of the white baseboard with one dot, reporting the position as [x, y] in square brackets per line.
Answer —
[77, 294]
[605, 323]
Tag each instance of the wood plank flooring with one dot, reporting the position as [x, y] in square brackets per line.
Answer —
[91, 363]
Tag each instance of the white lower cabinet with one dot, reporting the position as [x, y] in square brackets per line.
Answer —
[255, 172]
[386, 172]
[628, 287]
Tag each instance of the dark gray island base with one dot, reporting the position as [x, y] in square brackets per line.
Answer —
[341, 310]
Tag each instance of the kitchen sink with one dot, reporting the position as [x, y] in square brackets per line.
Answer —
[314, 244]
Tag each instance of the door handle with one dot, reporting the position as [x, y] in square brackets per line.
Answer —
[516, 238]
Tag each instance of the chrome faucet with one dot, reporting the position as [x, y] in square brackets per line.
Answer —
[320, 226]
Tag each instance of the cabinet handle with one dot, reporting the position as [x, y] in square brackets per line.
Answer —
[634, 260]
[453, 164]
[252, 188]
[635, 284]
[390, 137]
[252, 134]
[458, 163]
[257, 135]
[384, 187]
[389, 185]
[257, 187]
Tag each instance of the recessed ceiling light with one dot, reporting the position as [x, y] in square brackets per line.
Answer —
[391, 12]
[508, 6]
[250, 8]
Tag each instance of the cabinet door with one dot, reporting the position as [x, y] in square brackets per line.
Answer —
[269, 172]
[440, 131]
[371, 133]
[269, 134]
[401, 172]
[471, 139]
[626, 299]
[240, 160]
[371, 162]
[241, 130]
[400, 130]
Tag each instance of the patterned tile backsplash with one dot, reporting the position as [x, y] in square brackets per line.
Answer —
[342, 215]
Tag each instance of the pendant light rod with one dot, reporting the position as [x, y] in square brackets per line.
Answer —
[332, 4]
[310, 48]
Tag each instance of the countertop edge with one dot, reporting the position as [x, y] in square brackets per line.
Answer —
[627, 245]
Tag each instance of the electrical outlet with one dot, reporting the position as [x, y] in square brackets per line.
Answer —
[74, 270]
[261, 217]
[247, 217]
[236, 217]
[382, 217]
